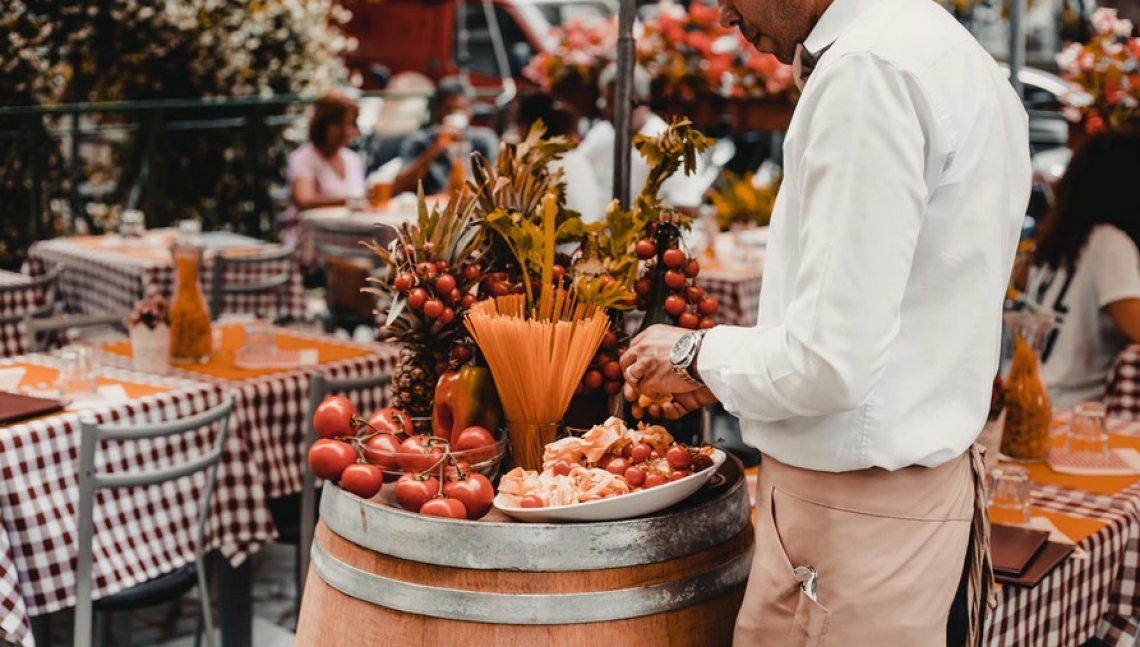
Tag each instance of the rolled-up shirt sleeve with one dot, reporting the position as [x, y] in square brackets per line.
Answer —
[863, 190]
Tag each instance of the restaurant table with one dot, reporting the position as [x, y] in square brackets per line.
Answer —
[136, 537]
[111, 273]
[12, 304]
[736, 288]
[346, 227]
[1122, 389]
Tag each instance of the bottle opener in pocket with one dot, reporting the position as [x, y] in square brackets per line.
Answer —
[807, 577]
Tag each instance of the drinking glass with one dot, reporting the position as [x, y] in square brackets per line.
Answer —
[132, 223]
[259, 338]
[1009, 495]
[1087, 430]
[75, 376]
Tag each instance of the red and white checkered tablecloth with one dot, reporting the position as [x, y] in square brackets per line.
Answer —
[738, 292]
[347, 228]
[100, 276]
[1122, 389]
[140, 532]
[13, 303]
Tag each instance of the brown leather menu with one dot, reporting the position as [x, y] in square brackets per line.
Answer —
[1046, 560]
[15, 407]
[1012, 547]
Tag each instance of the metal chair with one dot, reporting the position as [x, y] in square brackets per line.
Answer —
[48, 284]
[321, 387]
[277, 282]
[165, 587]
[36, 330]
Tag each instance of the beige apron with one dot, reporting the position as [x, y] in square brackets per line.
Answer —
[888, 549]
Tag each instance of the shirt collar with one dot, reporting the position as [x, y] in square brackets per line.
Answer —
[836, 19]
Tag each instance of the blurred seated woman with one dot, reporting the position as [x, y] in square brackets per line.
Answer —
[1086, 269]
[324, 172]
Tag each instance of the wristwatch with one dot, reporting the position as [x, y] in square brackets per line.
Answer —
[684, 352]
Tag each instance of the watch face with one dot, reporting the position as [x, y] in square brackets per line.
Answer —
[682, 349]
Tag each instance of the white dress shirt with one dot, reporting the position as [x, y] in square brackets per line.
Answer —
[892, 241]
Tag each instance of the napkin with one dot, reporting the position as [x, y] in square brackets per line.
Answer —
[107, 394]
[10, 379]
[1120, 462]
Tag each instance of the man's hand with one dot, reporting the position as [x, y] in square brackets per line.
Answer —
[679, 406]
[649, 370]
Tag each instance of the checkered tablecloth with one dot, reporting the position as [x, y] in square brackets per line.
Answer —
[101, 277]
[738, 292]
[140, 532]
[1122, 390]
[346, 230]
[13, 303]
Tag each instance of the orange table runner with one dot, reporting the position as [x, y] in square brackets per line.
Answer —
[222, 366]
[1042, 473]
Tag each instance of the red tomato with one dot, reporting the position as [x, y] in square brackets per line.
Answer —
[609, 340]
[562, 468]
[333, 417]
[532, 501]
[445, 283]
[673, 258]
[645, 249]
[653, 480]
[392, 420]
[706, 322]
[678, 475]
[442, 265]
[467, 301]
[557, 272]
[708, 306]
[692, 269]
[444, 507]
[612, 387]
[412, 492]
[678, 457]
[418, 454]
[593, 379]
[403, 282]
[426, 270]
[604, 461]
[381, 450]
[635, 476]
[417, 298]
[674, 305]
[362, 479]
[476, 443]
[471, 273]
[433, 308]
[674, 279]
[627, 452]
[612, 370]
[694, 293]
[446, 316]
[500, 289]
[474, 492]
[328, 458]
[688, 320]
[640, 453]
[643, 287]
[617, 466]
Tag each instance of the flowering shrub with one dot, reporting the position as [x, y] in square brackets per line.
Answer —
[1104, 75]
[745, 199]
[583, 51]
[151, 312]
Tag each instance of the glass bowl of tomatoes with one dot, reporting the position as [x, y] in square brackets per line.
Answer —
[474, 449]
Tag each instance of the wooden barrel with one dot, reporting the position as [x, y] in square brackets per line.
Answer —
[380, 575]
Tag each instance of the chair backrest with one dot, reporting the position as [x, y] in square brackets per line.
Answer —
[273, 281]
[322, 386]
[44, 291]
[92, 434]
[37, 339]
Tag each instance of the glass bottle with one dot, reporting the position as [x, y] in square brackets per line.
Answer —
[190, 338]
[1029, 412]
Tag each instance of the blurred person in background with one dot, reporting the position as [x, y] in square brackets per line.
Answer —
[685, 192]
[1086, 268]
[324, 172]
[428, 157]
[582, 191]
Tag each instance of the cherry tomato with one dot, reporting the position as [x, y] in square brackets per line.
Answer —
[333, 417]
[612, 370]
[426, 270]
[692, 269]
[532, 501]
[635, 476]
[329, 458]
[444, 284]
[674, 305]
[673, 258]
[694, 293]
[433, 308]
[442, 265]
[674, 279]
[688, 320]
[708, 306]
[561, 468]
[467, 301]
[381, 450]
[593, 379]
[475, 493]
[471, 273]
[678, 475]
[500, 289]
[678, 457]
[462, 352]
[612, 387]
[653, 480]
[640, 453]
[418, 454]
[643, 287]
[417, 298]
[702, 462]
[706, 322]
[645, 249]
[446, 317]
[617, 466]
[627, 452]
[455, 296]
[392, 420]
[609, 340]
[444, 507]
[412, 492]
[362, 479]
[558, 272]
[475, 444]
[403, 282]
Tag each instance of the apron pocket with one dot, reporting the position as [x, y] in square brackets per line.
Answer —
[811, 622]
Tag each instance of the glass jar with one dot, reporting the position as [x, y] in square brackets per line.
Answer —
[1029, 412]
[190, 338]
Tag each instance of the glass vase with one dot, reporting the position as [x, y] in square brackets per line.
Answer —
[190, 338]
[1029, 412]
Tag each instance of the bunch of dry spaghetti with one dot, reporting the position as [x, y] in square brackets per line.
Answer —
[537, 359]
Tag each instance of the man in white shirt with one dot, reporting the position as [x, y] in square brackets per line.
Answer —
[867, 379]
[680, 190]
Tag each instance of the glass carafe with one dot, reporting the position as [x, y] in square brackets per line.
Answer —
[1029, 413]
[190, 338]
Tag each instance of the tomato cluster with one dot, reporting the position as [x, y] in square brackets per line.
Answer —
[437, 291]
[686, 303]
[604, 371]
[437, 478]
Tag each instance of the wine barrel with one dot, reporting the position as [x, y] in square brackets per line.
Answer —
[381, 575]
